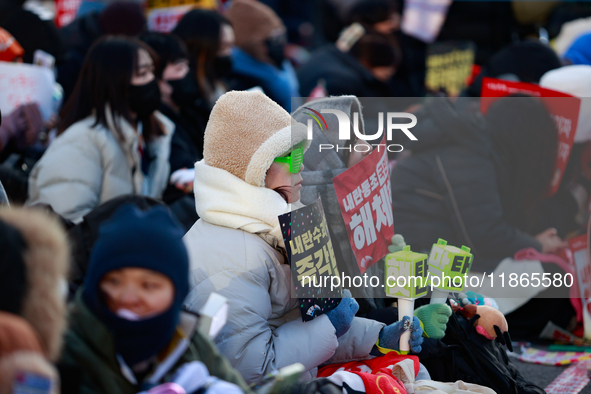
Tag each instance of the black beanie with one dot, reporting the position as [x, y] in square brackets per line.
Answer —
[527, 60]
[13, 273]
[149, 239]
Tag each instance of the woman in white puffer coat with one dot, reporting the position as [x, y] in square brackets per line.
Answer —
[111, 140]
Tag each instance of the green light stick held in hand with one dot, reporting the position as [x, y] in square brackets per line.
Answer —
[448, 265]
[406, 279]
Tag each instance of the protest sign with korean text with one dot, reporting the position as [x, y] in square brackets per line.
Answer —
[25, 83]
[312, 259]
[449, 64]
[163, 15]
[563, 107]
[365, 199]
[65, 11]
[164, 20]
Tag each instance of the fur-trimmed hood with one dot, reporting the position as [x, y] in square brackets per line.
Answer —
[47, 262]
[246, 131]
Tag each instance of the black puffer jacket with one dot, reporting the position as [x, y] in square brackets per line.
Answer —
[186, 146]
[454, 186]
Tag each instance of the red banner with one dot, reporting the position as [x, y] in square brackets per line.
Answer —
[65, 11]
[564, 110]
[365, 199]
[164, 20]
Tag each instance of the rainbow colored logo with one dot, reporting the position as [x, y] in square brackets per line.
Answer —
[316, 118]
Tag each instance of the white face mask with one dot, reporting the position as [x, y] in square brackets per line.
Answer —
[132, 316]
[128, 315]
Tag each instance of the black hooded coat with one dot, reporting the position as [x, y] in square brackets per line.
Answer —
[456, 186]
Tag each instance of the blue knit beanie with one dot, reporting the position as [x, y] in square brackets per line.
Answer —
[149, 239]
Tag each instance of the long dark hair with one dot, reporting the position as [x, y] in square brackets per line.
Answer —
[105, 79]
[168, 47]
[200, 30]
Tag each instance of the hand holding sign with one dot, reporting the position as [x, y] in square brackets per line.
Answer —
[391, 336]
[22, 125]
[406, 278]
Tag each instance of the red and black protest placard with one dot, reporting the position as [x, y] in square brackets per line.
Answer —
[365, 199]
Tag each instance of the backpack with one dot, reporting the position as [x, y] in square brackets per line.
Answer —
[468, 356]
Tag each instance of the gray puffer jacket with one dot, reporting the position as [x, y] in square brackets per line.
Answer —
[86, 166]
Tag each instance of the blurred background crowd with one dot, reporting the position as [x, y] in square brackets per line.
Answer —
[201, 49]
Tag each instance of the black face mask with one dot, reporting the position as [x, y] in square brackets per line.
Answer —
[275, 50]
[144, 99]
[185, 91]
[222, 66]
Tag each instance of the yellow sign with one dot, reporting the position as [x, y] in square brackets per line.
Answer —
[448, 67]
[208, 4]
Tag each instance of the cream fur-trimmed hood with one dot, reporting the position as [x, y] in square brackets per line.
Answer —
[47, 262]
[246, 131]
[224, 199]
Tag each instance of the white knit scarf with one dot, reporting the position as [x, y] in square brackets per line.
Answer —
[224, 199]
